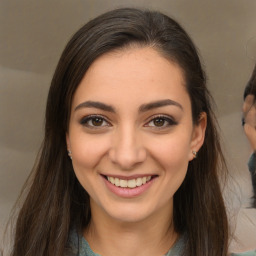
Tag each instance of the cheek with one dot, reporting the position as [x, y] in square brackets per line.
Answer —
[172, 152]
[173, 157]
[87, 151]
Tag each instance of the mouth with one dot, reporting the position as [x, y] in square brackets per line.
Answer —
[129, 183]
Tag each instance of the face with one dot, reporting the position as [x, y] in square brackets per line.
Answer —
[131, 134]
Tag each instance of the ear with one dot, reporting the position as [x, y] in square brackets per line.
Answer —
[198, 135]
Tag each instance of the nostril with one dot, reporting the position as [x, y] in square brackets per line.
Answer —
[127, 157]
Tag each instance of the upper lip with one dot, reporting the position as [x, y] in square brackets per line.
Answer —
[122, 177]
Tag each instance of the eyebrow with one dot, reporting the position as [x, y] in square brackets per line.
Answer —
[142, 108]
[158, 104]
[95, 104]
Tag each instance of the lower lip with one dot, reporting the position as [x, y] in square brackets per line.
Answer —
[128, 192]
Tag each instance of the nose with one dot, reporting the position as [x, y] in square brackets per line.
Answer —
[127, 150]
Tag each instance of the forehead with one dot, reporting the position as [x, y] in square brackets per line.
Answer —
[126, 73]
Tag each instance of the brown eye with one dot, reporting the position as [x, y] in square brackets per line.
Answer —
[94, 121]
[97, 121]
[159, 122]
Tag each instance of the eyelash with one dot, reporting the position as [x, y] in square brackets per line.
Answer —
[168, 121]
[87, 121]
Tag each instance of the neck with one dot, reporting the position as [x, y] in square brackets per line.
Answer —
[154, 235]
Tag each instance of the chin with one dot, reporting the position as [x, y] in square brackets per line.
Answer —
[125, 217]
[129, 213]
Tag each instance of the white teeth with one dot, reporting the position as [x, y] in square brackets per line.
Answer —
[117, 182]
[129, 183]
[123, 183]
[138, 182]
[112, 180]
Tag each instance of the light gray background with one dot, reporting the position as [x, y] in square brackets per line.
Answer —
[33, 35]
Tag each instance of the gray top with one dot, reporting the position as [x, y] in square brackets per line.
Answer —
[77, 241]
[252, 163]
[250, 253]
[80, 247]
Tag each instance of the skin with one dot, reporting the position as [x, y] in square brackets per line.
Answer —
[129, 141]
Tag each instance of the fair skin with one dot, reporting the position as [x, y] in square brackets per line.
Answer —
[131, 125]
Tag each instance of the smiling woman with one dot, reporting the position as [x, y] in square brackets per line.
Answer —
[131, 156]
[144, 143]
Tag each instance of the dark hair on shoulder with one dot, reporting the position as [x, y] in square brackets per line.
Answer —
[56, 202]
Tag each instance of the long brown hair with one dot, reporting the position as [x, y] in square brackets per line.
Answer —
[56, 201]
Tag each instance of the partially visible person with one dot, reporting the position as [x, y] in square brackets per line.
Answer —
[249, 123]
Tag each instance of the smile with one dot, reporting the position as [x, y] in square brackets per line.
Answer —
[132, 183]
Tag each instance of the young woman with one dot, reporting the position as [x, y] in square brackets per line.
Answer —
[131, 157]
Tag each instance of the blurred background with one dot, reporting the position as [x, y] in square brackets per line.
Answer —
[33, 35]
